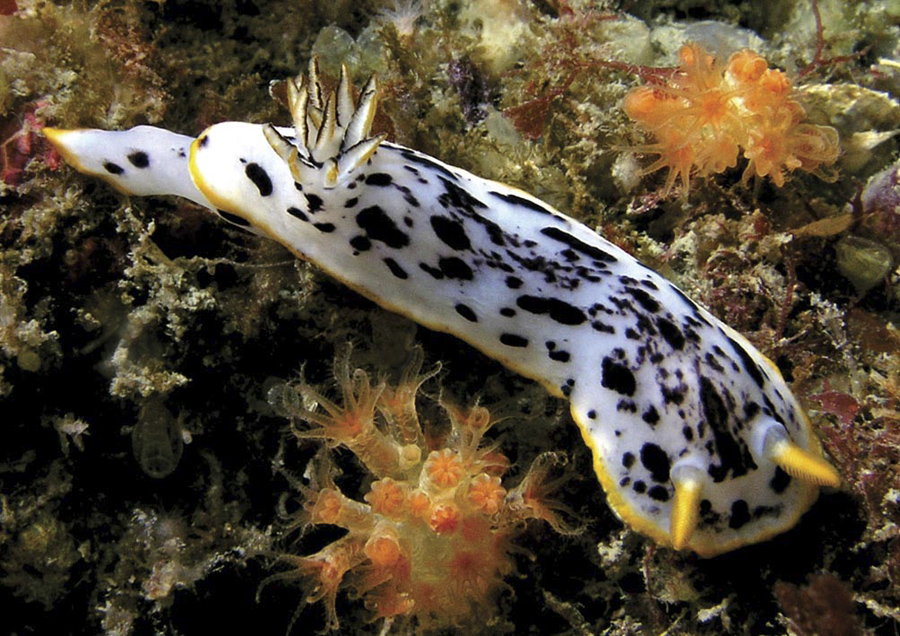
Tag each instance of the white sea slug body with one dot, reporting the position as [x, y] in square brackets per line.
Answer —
[696, 438]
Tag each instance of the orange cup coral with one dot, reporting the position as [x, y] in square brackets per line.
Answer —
[708, 113]
[432, 544]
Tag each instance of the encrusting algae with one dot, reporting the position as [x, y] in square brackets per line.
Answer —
[434, 539]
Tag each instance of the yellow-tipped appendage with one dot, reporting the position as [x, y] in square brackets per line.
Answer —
[55, 135]
[63, 140]
[802, 464]
[685, 505]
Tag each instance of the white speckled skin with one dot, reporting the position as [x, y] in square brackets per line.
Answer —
[655, 382]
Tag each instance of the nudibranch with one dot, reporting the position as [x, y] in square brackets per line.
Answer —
[696, 437]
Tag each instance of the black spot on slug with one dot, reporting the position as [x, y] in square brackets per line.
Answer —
[578, 245]
[314, 203]
[515, 199]
[414, 157]
[380, 227]
[672, 395]
[451, 232]
[455, 268]
[409, 197]
[113, 168]
[750, 365]
[513, 340]
[139, 159]
[379, 179]
[714, 363]
[460, 199]
[602, 327]
[733, 454]
[780, 481]
[558, 310]
[260, 178]
[751, 410]
[656, 461]
[658, 493]
[670, 333]
[618, 377]
[434, 272]
[297, 213]
[645, 300]
[466, 312]
[395, 268]
[651, 415]
[740, 515]
[361, 243]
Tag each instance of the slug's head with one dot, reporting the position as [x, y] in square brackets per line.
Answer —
[234, 166]
[264, 177]
[114, 157]
[140, 161]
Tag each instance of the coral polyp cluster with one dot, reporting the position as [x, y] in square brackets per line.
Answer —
[431, 541]
[708, 113]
